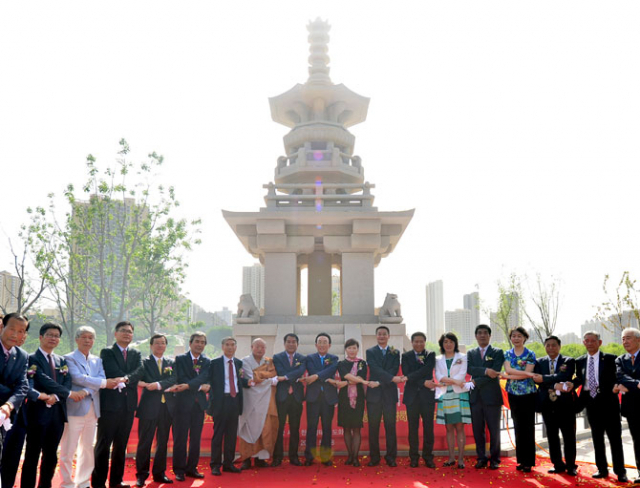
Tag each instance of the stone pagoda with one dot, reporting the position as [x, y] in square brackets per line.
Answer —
[319, 215]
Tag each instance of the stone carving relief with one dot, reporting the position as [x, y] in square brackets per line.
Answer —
[248, 313]
[390, 312]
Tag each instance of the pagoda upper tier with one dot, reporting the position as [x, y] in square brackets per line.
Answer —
[319, 147]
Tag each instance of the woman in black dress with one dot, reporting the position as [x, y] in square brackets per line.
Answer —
[353, 375]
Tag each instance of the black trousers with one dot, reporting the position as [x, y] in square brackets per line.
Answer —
[42, 438]
[634, 428]
[415, 411]
[486, 417]
[187, 428]
[376, 411]
[318, 411]
[524, 418]
[113, 430]
[293, 409]
[13, 444]
[561, 420]
[225, 433]
[147, 429]
[606, 420]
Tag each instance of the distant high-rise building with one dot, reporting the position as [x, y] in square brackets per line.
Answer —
[226, 315]
[9, 288]
[435, 310]
[570, 338]
[253, 283]
[472, 302]
[609, 332]
[459, 322]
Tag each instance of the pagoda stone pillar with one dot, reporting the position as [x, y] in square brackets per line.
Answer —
[319, 287]
[280, 283]
[357, 283]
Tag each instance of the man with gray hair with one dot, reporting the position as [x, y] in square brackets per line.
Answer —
[83, 409]
[628, 373]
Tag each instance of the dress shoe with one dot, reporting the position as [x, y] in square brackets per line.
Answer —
[214, 471]
[195, 475]
[430, 464]
[494, 465]
[275, 464]
[140, 482]
[328, 463]
[371, 464]
[180, 477]
[446, 464]
[295, 462]
[623, 478]
[556, 471]
[308, 462]
[519, 467]
[600, 475]
[413, 464]
[392, 464]
[480, 465]
[261, 463]
[526, 469]
[356, 463]
[246, 464]
[231, 469]
[119, 485]
[162, 479]
[636, 481]
[572, 472]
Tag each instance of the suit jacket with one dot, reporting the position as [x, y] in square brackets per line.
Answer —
[607, 378]
[629, 376]
[324, 371]
[115, 367]
[487, 389]
[186, 373]
[283, 368]
[42, 381]
[458, 371]
[383, 369]
[564, 371]
[216, 379]
[87, 375]
[151, 401]
[13, 378]
[417, 373]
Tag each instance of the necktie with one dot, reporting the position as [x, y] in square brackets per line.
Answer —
[160, 371]
[232, 382]
[290, 364]
[384, 352]
[593, 386]
[124, 354]
[53, 368]
[552, 394]
[195, 363]
[552, 368]
[633, 360]
[482, 353]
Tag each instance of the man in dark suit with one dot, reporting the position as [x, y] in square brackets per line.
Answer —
[155, 412]
[384, 363]
[227, 381]
[419, 397]
[13, 377]
[596, 373]
[117, 408]
[290, 365]
[628, 375]
[11, 448]
[48, 373]
[556, 404]
[484, 364]
[322, 398]
[192, 375]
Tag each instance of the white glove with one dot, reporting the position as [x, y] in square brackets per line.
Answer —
[120, 387]
[469, 385]
[6, 423]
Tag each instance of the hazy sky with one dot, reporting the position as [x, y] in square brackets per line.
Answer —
[511, 127]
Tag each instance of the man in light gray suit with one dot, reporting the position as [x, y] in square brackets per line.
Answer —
[83, 409]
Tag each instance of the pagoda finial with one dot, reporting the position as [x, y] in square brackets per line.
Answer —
[318, 48]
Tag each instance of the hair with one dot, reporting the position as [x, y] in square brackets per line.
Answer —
[85, 329]
[384, 327]
[227, 339]
[520, 330]
[291, 334]
[15, 315]
[351, 342]
[591, 332]
[418, 334]
[50, 325]
[553, 338]
[452, 337]
[258, 339]
[158, 336]
[633, 330]
[323, 334]
[198, 333]
[122, 324]
[482, 327]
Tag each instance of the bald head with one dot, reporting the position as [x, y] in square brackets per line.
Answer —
[258, 348]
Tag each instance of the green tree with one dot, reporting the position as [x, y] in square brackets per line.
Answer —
[573, 350]
[620, 307]
[507, 314]
[613, 348]
[546, 300]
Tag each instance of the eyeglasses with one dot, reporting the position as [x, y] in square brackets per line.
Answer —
[52, 336]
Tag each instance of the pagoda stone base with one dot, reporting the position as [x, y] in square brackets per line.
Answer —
[307, 328]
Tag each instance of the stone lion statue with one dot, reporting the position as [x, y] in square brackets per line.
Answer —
[248, 313]
[390, 312]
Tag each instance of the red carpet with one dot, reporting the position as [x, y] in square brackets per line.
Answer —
[319, 476]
